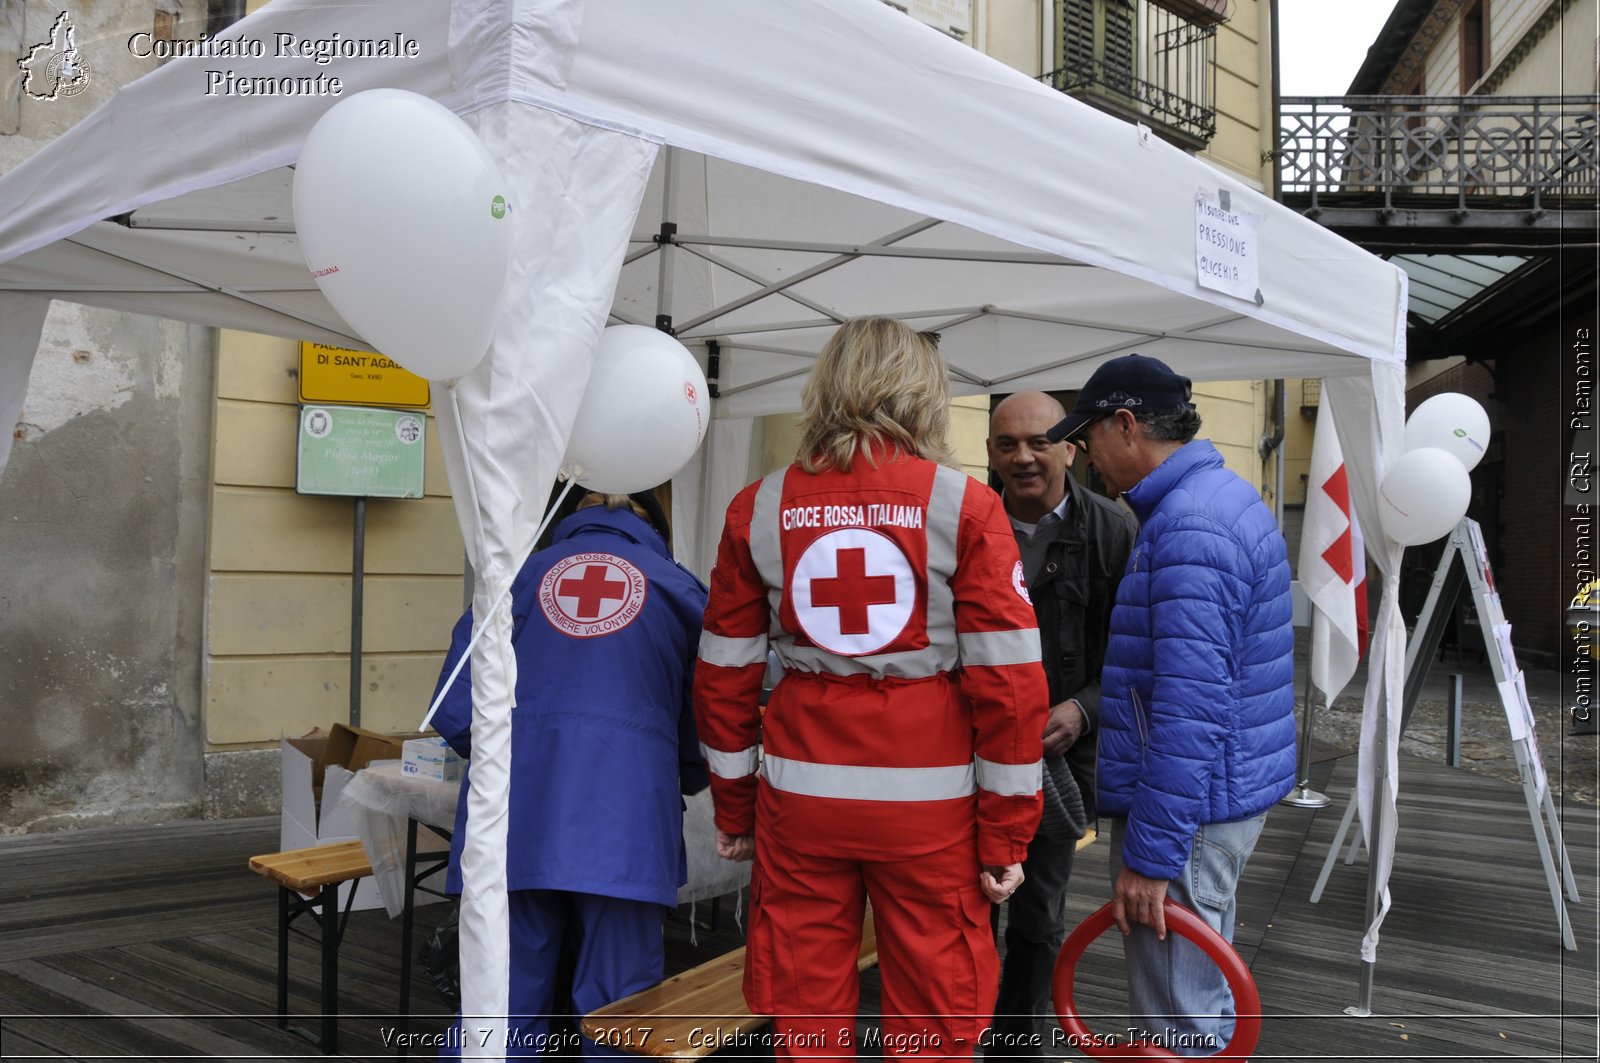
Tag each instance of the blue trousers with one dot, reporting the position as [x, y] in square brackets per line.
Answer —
[618, 952]
[1176, 994]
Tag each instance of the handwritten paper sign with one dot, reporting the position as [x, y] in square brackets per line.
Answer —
[1226, 246]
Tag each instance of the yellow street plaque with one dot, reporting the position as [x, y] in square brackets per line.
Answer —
[357, 378]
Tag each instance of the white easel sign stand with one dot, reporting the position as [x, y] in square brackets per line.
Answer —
[1466, 543]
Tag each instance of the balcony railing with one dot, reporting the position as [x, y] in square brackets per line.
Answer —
[1526, 152]
[1168, 81]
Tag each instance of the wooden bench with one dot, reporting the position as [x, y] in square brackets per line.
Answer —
[708, 1000]
[302, 875]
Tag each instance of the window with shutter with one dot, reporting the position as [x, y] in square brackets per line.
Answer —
[1077, 36]
[1121, 64]
[1150, 61]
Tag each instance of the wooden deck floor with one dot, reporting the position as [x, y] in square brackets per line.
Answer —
[157, 943]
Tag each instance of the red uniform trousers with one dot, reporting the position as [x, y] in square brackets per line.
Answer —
[936, 953]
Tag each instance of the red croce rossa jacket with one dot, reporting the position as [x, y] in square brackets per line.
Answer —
[912, 701]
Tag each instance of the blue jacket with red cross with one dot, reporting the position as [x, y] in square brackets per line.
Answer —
[605, 626]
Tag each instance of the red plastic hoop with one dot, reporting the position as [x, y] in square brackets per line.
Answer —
[1246, 1000]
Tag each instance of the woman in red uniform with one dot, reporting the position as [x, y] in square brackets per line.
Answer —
[899, 758]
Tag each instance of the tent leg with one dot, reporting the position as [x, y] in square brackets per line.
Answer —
[1375, 868]
[1333, 849]
[1362, 1009]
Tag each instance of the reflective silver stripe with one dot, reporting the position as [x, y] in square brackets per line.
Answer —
[908, 664]
[730, 765]
[853, 783]
[1010, 780]
[766, 549]
[944, 525]
[941, 653]
[732, 652]
[1019, 646]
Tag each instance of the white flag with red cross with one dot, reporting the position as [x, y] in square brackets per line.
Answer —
[1333, 565]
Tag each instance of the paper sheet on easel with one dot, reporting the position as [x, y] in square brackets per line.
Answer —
[1519, 716]
[1502, 647]
[1514, 698]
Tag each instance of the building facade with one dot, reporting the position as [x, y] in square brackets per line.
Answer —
[170, 607]
[1466, 151]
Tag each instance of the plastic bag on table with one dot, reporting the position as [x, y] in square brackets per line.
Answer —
[441, 959]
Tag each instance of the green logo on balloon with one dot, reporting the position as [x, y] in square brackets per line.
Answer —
[1460, 433]
[497, 206]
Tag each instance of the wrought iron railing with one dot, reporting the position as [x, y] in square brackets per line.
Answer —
[1168, 81]
[1529, 148]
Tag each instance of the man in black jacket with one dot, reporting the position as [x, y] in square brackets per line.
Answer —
[1074, 545]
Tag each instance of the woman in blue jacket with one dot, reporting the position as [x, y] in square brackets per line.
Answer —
[605, 626]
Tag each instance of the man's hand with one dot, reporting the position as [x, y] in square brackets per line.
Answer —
[1064, 726]
[739, 847]
[998, 883]
[1138, 899]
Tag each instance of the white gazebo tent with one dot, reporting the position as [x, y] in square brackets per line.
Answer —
[752, 173]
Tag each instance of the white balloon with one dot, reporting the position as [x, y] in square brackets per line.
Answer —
[1453, 422]
[403, 221]
[1423, 496]
[643, 413]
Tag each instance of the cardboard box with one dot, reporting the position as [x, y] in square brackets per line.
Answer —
[316, 769]
[431, 758]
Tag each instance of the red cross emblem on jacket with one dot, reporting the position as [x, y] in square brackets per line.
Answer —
[591, 594]
[853, 592]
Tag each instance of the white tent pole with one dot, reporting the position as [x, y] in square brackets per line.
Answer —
[21, 327]
[726, 392]
[828, 322]
[1380, 783]
[480, 627]
[961, 254]
[196, 281]
[669, 232]
[847, 256]
[201, 225]
[481, 545]
[466, 462]
[755, 278]
[626, 319]
[704, 504]
[634, 256]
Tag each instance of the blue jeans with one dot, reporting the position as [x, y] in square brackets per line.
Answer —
[1176, 994]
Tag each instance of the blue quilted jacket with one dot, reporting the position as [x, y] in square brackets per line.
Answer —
[1197, 694]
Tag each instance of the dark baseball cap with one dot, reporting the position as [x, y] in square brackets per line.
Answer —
[1133, 382]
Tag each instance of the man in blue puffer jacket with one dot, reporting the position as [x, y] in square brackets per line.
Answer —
[1197, 692]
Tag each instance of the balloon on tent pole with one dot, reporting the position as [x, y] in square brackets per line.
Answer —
[1423, 496]
[403, 220]
[643, 415]
[1452, 422]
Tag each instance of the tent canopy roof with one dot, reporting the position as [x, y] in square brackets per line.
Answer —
[829, 158]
